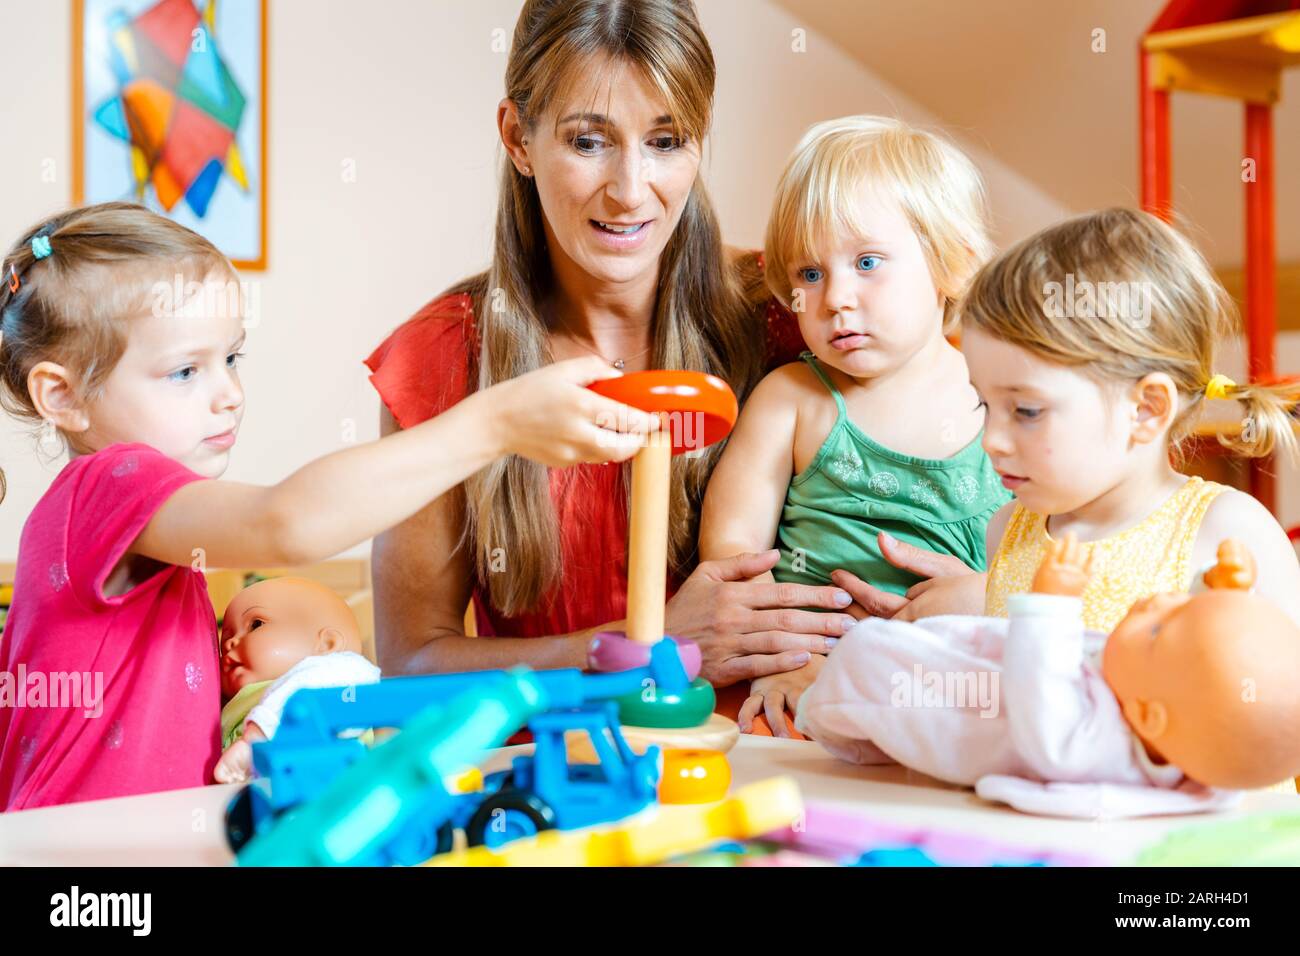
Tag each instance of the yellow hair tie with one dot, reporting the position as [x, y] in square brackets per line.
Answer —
[1218, 386]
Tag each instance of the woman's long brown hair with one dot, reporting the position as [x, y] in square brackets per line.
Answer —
[706, 311]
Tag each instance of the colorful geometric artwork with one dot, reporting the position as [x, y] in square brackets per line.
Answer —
[170, 113]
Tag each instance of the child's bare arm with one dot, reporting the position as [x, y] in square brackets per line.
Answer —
[347, 497]
[1235, 514]
[742, 507]
[996, 528]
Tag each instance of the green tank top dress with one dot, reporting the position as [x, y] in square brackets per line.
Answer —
[855, 488]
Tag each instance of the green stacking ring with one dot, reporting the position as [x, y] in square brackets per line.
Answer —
[648, 707]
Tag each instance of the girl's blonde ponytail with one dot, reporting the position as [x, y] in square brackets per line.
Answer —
[1270, 421]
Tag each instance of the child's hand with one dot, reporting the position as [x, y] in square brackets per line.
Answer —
[948, 585]
[550, 416]
[1065, 570]
[776, 694]
[1235, 568]
[236, 763]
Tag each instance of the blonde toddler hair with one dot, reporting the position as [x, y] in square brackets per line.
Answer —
[935, 184]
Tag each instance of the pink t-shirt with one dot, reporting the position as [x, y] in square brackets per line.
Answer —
[105, 696]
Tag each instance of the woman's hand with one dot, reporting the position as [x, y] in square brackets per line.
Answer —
[776, 694]
[550, 416]
[748, 629]
[950, 586]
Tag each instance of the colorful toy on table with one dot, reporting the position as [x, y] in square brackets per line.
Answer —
[696, 411]
[277, 637]
[1190, 699]
[388, 804]
[1256, 839]
[314, 785]
[856, 840]
[753, 810]
[694, 776]
[827, 835]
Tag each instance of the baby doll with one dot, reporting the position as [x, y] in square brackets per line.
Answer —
[277, 637]
[1190, 698]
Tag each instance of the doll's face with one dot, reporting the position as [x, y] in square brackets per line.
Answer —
[176, 386]
[1209, 684]
[1147, 643]
[272, 625]
[1058, 439]
[867, 304]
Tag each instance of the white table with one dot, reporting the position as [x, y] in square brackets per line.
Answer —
[186, 827]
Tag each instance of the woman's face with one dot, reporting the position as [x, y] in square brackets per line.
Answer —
[613, 178]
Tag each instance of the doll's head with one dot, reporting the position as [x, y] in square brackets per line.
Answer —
[875, 231]
[270, 626]
[1092, 343]
[118, 325]
[1211, 683]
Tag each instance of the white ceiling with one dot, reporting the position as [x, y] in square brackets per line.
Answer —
[1020, 77]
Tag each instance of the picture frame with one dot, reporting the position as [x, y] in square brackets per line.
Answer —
[169, 109]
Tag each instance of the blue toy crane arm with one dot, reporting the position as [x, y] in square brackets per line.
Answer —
[375, 798]
[314, 715]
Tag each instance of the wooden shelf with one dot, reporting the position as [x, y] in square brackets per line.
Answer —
[1241, 59]
[1272, 39]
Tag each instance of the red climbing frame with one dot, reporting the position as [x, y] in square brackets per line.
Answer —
[1233, 48]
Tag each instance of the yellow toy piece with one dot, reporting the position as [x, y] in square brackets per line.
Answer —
[694, 776]
[752, 811]
[467, 781]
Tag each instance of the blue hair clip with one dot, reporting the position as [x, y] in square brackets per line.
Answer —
[41, 247]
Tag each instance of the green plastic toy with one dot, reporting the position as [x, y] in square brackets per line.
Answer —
[1259, 839]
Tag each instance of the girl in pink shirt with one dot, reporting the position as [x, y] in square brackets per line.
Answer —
[121, 331]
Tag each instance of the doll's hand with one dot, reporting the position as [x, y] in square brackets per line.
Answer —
[1064, 570]
[776, 694]
[1235, 568]
[236, 763]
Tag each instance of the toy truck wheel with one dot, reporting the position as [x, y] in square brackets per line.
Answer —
[446, 838]
[509, 815]
[239, 819]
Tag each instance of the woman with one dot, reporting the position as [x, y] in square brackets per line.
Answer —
[605, 244]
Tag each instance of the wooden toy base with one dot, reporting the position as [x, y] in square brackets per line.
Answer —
[717, 733]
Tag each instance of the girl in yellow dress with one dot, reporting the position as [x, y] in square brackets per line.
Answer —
[1092, 346]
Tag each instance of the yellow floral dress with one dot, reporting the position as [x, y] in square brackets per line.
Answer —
[1154, 556]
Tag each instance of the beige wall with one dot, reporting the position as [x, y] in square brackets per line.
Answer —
[407, 96]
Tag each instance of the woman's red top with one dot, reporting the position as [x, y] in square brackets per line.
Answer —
[422, 369]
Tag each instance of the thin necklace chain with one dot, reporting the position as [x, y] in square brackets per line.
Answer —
[617, 363]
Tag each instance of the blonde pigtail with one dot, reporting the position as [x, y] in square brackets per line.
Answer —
[1270, 421]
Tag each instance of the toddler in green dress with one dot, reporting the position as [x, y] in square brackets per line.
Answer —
[876, 229]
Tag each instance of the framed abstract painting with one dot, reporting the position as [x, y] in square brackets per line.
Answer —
[169, 110]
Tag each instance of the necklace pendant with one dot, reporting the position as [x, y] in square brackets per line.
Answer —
[618, 364]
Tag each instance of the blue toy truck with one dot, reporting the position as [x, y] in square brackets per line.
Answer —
[325, 800]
